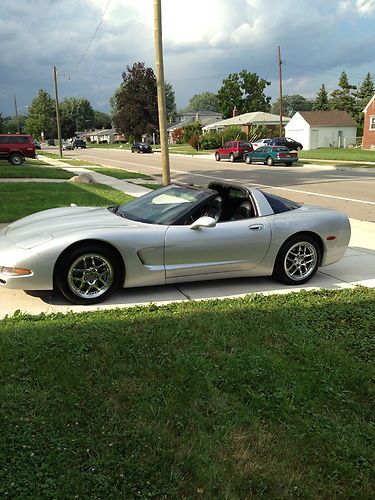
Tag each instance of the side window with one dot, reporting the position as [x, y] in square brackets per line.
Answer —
[227, 145]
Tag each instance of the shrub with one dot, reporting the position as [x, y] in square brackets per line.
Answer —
[194, 141]
[177, 135]
[194, 128]
[233, 134]
[211, 140]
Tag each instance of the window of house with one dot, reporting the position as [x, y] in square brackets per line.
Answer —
[372, 122]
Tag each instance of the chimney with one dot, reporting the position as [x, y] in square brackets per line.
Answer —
[235, 111]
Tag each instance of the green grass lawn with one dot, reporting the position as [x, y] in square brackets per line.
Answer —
[349, 154]
[55, 156]
[31, 171]
[186, 149]
[261, 397]
[120, 174]
[19, 200]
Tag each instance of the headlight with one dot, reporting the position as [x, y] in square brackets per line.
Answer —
[14, 271]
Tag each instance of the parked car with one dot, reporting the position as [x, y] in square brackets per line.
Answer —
[51, 142]
[141, 147]
[291, 144]
[79, 143]
[15, 148]
[233, 150]
[37, 144]
[260, 142]
[67, 145]
[270, 155]
[173, 234]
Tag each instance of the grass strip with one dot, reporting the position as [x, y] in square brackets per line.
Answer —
[35, 196]
[120, 174]
[261, 397]
[349, 154]
[31, 171]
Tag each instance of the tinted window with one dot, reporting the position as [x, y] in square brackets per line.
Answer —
[261, 149]
[279, 204]
[281, 148]
[245, 145]
[14, 139]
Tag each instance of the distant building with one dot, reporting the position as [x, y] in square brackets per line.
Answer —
[203, 116]
[247, 120]
[368, 141]
[322, 129]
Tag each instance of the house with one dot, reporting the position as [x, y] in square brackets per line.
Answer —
[247, 120]
[368, 141]
[203, 116]
[101, 136]
[322, 129]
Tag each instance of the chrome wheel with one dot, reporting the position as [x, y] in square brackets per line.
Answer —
[90, 276]
[300, 261]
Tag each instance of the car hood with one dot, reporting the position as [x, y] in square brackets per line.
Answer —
[47, 224]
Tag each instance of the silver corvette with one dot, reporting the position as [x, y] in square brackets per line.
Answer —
[174, 234]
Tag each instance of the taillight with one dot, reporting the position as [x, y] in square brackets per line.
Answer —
[281, 155]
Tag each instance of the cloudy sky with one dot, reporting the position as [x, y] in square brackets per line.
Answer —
[204, 41]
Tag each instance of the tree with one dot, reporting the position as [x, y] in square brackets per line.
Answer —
[76, 114]
[170, 102]
[343, 98]
[321, 100]
[14, 123]
[134, 103]
[41, 116]
[366, 89]
[102, 120]
[292, 104]
[2, 123]
[206, 100]
[244, 91]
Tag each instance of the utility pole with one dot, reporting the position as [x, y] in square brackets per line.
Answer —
[57, 111]
[18, 122]
[161, 93]
[281, 93]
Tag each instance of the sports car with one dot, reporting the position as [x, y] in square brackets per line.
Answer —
[174, 234]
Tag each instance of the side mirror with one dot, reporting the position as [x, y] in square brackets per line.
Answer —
[203, 222]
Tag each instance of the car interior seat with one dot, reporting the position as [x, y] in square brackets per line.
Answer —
[215, 208]
[244, 211]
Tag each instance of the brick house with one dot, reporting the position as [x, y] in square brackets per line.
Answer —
[368, 141]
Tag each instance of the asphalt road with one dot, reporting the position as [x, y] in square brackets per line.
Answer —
[349, 190]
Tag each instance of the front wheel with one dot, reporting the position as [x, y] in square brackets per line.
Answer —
[217, 157]
[269, 161]
[297, 261]
[248, 160]
[88, 275]
[232, 158]
[16, 159]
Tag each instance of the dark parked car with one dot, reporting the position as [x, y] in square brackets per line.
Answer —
[291, 144]
[141, 147]
[233, 150]
[51, 142]
[15, 148]
[37, 144]
[79, 143]
[269, 155]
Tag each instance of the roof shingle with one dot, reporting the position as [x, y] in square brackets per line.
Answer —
[334, 118]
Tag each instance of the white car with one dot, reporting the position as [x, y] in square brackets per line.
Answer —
[260, 142]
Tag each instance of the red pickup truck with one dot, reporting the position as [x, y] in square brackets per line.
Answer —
[15, 148]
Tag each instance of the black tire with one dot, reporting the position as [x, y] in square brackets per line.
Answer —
[217, 157]
[248, 159]
[288, 163]
[269, 161]
[292, 265]
[16, 159]
[232, 159]
[102, 268]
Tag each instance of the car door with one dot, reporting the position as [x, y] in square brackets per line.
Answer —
[226, 150]
[228, 247]
[258, 154]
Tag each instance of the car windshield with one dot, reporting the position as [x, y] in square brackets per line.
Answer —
[163, 206]
[245, 145]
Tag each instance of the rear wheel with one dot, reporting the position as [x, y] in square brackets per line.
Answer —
[248, 159]
[88, 275]
[269, 161]
[217, 157]
[297, 261]
[16, 159]
[232, 158]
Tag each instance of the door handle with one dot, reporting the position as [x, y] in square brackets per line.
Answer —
[256, 227]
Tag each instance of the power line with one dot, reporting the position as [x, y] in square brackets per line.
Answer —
[94, 35]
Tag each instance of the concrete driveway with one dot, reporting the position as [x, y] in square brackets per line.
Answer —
[356, 268]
